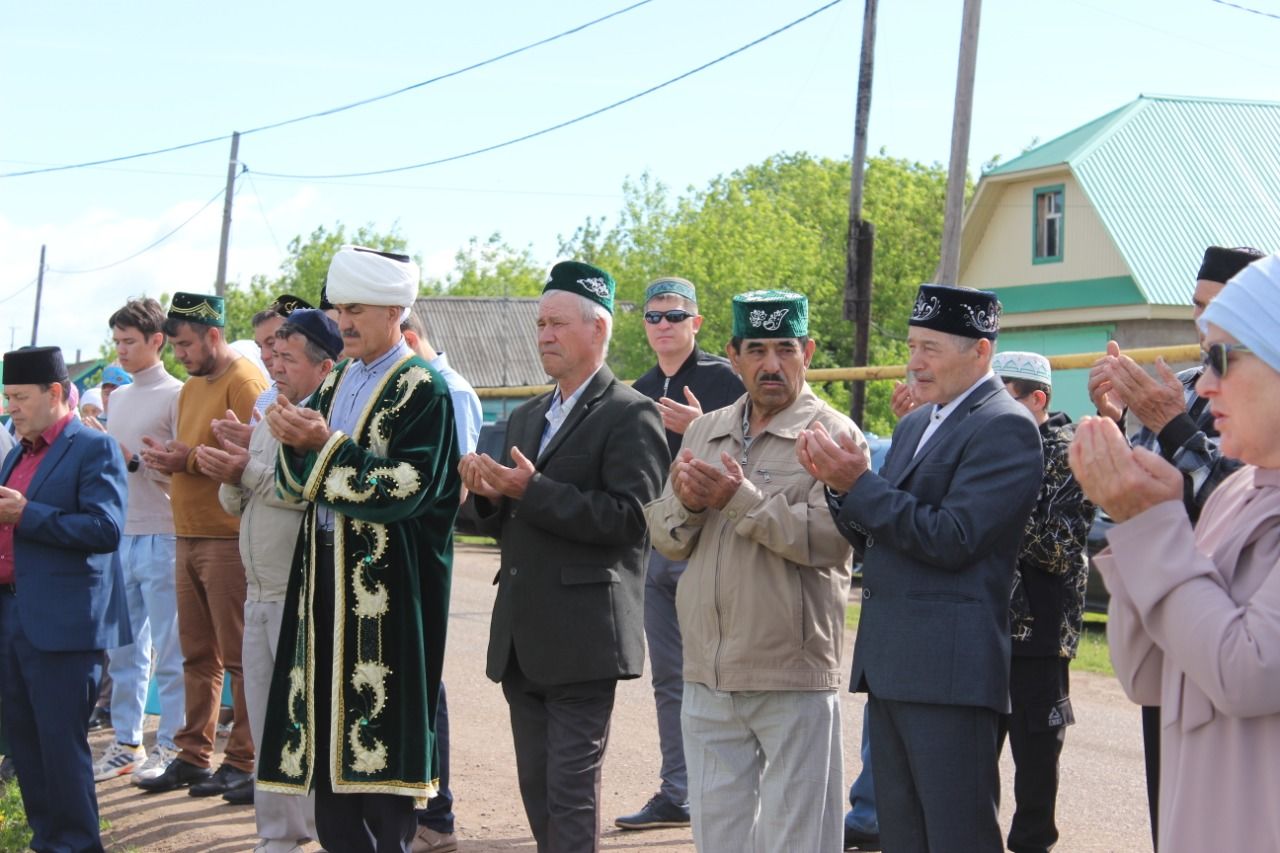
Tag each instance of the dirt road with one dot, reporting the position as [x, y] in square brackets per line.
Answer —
[1102, 805]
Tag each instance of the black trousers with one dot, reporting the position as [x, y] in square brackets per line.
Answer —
[1151, 752]
[347, 823]
[937, 776]
[560, 733]
[1039, 691]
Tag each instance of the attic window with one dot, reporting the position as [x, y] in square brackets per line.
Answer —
[1047, 238]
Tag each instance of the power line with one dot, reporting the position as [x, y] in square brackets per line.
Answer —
[148, 248]
[257, 194]
[1247, 9]
[334, 110]
[24, 287]
[562, 124]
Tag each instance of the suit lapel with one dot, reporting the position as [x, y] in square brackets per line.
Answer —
[10, 461]
[531, 429]
[975, 399]
[56, 451]
[596, 387]
[912, 429]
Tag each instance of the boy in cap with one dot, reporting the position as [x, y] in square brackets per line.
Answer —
[1046, 611]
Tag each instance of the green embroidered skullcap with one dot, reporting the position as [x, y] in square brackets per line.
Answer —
[770, 314]
[1031, 366]
[583, 279]
[678, 286]
[199, 308]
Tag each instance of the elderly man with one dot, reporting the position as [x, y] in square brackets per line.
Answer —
[1046, 612]
[302, 356]
[762, 601]
[351, 712]
[1177, 424]
[938, 529]
[209, 576]
[566, 502]
[703, 382]
[61, 595]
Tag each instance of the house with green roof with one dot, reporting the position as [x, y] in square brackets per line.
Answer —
[1098, 234]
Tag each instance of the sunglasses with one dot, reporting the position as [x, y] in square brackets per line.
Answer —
[675, 315]
[1215, 357]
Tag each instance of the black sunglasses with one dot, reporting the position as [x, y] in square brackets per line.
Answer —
[675, 315]
[1215, 357]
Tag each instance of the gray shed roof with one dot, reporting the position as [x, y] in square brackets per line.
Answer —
[491, 341]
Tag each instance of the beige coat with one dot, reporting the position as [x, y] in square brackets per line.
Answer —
[761, 604]
[268, 523]
[1195, 628]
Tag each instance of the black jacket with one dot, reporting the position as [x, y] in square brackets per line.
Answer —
[711, 377]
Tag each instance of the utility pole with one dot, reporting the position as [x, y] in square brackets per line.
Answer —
[35, 322]
[949, 264]
[220, 287]
[860, 239]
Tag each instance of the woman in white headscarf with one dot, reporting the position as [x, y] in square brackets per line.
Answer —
[1194, 621]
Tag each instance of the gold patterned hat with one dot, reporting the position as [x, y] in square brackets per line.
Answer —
[199, 308]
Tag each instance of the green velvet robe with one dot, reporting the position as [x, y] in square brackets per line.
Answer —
[393, 489]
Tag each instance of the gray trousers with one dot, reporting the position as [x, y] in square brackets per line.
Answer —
[283, 819]
[666, 663]
[766, 770]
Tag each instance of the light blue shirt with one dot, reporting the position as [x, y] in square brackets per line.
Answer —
[559, 411]
[354, 388]
[468, 415]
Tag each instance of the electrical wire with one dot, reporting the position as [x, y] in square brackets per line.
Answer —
[257, 194]
[562, 124]
[1247, 9]
[148, 248]
[333, 110]
[24, 287]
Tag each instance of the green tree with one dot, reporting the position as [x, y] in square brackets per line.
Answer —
[491, 268]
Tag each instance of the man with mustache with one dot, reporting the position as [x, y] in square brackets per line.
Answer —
[938, 529]
[762, 602]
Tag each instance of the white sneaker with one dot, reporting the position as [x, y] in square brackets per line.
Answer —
[157, 762]
[117, 760]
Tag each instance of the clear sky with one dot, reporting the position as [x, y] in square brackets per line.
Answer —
[84, 80]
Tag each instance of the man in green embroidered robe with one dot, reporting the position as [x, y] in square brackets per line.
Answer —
[352, 706]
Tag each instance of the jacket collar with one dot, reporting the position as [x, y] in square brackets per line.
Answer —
[528, 444]
[975, 399]
[786, 424]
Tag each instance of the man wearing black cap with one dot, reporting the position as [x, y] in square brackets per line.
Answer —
[1177, 424]
[303, 354]
[61, 519]
[684, 383]
[566, 503]
[938, 530]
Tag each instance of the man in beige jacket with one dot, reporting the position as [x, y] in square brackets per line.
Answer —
[305, 348]
[761, 604]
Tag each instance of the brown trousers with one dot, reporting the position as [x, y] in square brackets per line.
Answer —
[211, 594]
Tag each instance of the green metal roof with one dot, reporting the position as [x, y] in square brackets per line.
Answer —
[1169, 176]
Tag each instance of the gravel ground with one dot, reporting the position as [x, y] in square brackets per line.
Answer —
[1102, 803]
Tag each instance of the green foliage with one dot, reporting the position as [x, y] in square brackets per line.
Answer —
[302, 273]
[15, 834]
[780, 223]
[492, 268]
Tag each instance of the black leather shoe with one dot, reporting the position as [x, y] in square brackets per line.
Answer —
[657, 813]
[100, 719]
[179, 774]
[224, 779]
[855, 839]
[240, 795]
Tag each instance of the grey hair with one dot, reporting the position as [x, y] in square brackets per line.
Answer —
[590, 311]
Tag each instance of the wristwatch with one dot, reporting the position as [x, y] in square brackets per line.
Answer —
[134, 463]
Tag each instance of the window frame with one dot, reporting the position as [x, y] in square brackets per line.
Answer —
[1036, 194]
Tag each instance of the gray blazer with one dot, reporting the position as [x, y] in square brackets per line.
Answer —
[571, 582]
[939, 535]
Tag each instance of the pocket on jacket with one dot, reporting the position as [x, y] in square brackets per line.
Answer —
[572, 575]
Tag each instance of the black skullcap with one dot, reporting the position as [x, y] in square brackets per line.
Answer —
[957, 311]
[1221, 265]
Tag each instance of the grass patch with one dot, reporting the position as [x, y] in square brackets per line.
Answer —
[15, 835]
[474, 540]
[1092, 655]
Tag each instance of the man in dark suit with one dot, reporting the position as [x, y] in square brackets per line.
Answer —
[566, 502]
[938, 530]
[61, 595]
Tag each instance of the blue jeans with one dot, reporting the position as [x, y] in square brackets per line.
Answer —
[862, 793]
[153, 616]
[666, 663]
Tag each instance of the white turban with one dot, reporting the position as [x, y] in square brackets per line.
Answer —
[1248, 309]
[369, 277]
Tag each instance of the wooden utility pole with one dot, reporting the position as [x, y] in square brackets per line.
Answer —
[35, 322]
[860, 239]
[220, 287]
[949, 265]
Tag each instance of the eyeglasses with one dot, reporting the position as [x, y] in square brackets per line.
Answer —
[1215, 357]
[675, 315]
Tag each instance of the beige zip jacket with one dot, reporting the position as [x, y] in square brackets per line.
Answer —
[268, 523]
[762, 602]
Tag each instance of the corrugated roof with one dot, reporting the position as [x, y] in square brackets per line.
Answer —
[490, 341]
[1169, 176]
